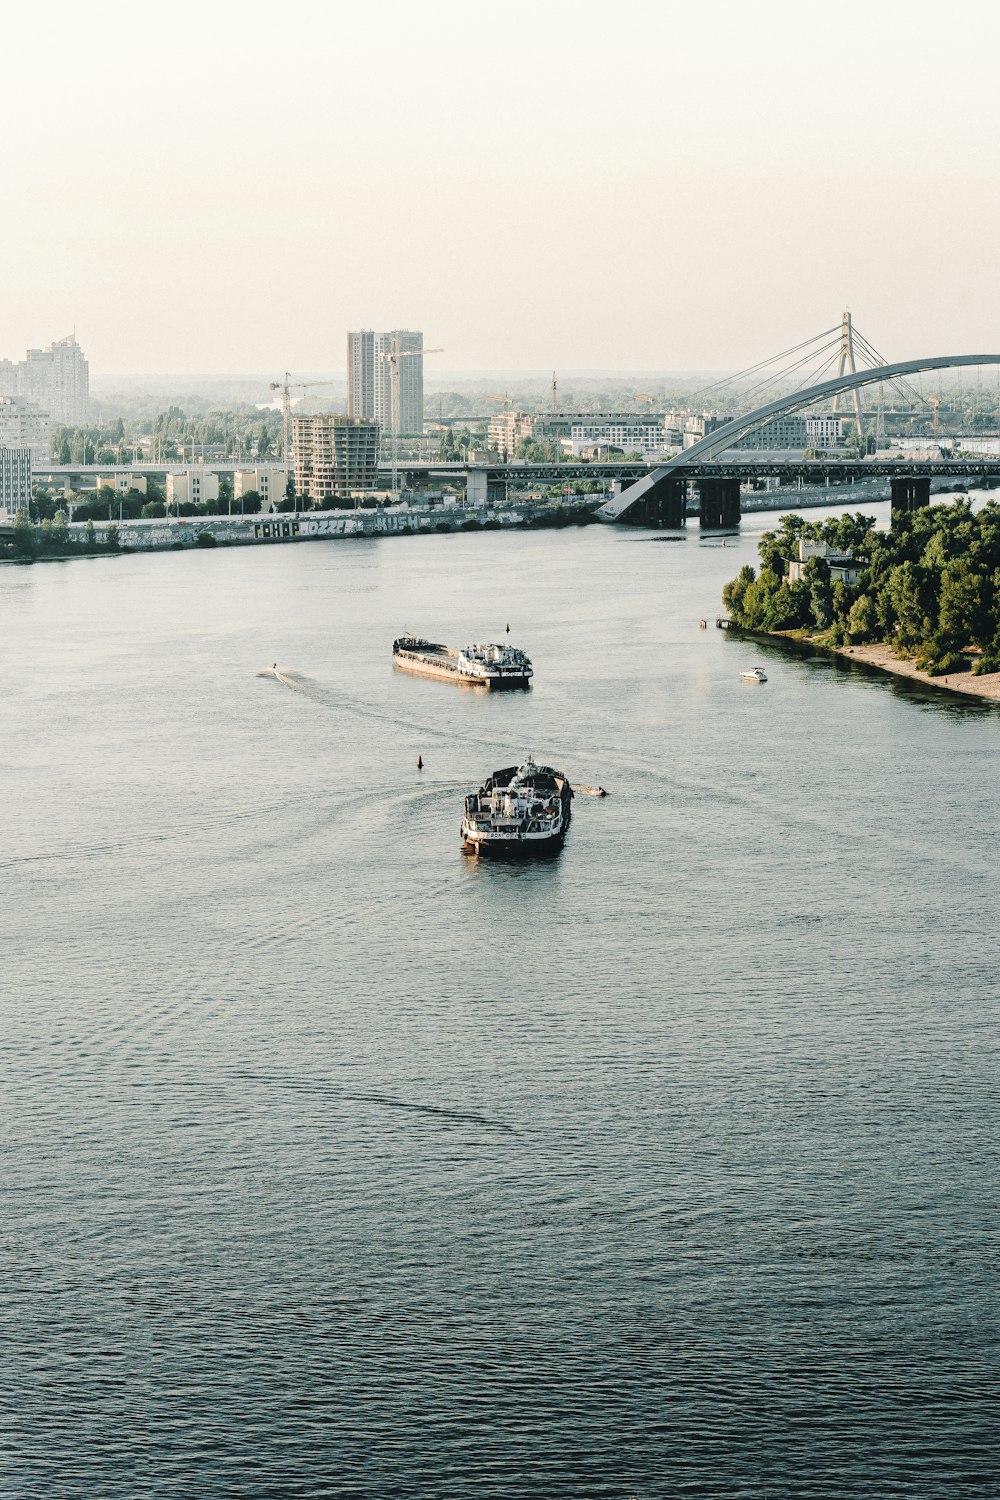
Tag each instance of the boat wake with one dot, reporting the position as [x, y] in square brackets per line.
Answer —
[321, 1089]
[309, 688]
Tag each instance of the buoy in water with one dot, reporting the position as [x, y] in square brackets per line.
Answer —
[420, 762]
[508, 627]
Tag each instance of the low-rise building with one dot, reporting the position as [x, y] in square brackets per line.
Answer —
[15, 480]
[508, 428]
[122, 482]
[700, 425]
[332, 456]
[781, 435]
[825, 431]
[270, 482]
[573, 430]
[193, 487]
[844, 568]
[643, 435]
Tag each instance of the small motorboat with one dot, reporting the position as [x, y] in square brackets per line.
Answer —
[756, 674]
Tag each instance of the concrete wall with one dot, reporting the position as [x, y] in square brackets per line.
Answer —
[162, 534]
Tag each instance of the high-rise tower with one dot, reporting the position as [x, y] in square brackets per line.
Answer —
[361, 373]
[58, 380]
[370, 384]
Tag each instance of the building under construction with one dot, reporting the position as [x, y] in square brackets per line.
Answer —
[332, 456]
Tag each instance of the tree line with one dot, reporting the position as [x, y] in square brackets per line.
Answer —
[929, 587]
[53, 538]
[245, 432]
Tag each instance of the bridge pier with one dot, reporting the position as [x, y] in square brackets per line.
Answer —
[719, 502]
[909, 493]
[664, 506]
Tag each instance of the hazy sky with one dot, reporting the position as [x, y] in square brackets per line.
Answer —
[229, 187]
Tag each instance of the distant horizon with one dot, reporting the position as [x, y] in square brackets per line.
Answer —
[485, 373]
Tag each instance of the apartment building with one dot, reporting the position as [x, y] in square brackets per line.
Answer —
[333, 456]
[15, 480]
[23, 424]
[57, 379]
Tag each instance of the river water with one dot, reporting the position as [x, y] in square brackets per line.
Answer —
[335, 1163]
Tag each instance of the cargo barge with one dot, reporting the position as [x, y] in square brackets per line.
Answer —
[518, 812]
[489, 666]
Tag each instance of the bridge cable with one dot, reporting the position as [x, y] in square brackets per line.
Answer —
[714, 385]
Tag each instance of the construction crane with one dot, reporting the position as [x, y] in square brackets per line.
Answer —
[284, 386]
[391, 357]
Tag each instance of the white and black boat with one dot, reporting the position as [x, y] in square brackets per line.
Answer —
[518, 811]
[489, 665]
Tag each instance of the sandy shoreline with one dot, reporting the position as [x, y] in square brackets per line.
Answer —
[882, 657]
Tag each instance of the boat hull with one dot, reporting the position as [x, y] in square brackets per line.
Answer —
[444, 673]
[491, 847]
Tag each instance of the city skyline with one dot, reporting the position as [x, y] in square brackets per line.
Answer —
[566, 192]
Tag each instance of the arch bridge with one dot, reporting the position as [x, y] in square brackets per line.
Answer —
[659, 498]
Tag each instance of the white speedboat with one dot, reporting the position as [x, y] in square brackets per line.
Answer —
[756, 674]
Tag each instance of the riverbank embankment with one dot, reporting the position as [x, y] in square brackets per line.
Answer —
[176, 534]
[304, 526]
[813, 497]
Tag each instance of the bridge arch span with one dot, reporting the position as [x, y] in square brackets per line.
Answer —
[723, 437]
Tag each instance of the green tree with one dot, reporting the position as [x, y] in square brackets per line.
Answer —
[843, 598]
[963, 620]
[89, 532]
[112, 537]
[906, 595]
[772, 549]
[24, 534]
[862, 622]
[816, 574]
[734, 592]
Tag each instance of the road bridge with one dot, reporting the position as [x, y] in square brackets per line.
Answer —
[659, 498]
[652, 494]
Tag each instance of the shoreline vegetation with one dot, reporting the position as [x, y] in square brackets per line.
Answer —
[921, 601]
